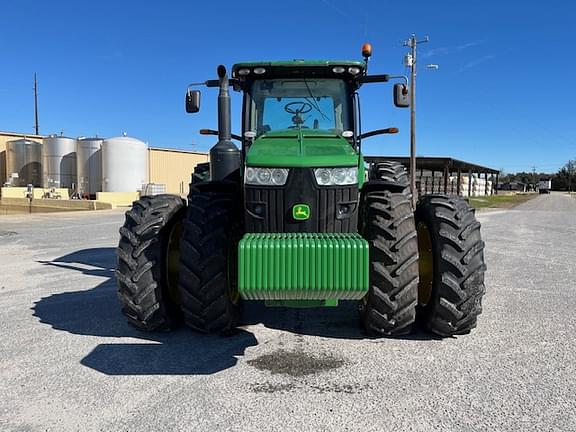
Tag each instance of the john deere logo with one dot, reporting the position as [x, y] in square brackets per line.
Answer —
[301, 211]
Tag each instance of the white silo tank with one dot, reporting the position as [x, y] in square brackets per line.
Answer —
[124, 164]
[89, 164]
[23, 166]
[59, 162]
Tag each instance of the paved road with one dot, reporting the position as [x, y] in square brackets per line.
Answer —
[68, 360]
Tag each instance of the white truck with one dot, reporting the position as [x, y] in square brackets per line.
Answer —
[544, 186]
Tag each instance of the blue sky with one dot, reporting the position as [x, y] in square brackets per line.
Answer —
[503, 95]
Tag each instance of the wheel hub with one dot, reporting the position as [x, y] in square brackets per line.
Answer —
[425, 264]
[173, 262]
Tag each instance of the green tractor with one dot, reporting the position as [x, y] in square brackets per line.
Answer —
[296, 218]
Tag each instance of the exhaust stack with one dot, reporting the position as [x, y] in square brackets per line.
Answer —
[224, 156]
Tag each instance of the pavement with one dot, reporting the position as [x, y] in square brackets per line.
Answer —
[70, 362]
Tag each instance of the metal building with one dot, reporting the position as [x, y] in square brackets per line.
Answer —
[174, 168]
[448, 175]
[169, 167]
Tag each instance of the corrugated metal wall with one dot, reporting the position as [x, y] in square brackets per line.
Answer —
[173, 168]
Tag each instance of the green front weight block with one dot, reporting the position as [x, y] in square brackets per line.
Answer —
[303, 266]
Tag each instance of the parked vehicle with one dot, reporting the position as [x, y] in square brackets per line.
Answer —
[295, 218]
[544, 186]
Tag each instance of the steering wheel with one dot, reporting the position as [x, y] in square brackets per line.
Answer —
[304, 107]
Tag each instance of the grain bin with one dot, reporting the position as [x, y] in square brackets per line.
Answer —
[124, 164]
[23, 163]
[89, 164]
[59, 162]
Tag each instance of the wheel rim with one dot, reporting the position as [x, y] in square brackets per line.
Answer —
[173, 261]
[425, 264]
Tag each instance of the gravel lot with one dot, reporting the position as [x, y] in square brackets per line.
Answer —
[69, 361]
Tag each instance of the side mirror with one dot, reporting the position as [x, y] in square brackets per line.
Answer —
[192, 101]
[401, 96]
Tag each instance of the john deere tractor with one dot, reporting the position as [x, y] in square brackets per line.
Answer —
[294, 217]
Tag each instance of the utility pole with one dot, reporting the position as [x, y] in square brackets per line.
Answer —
[36, 129]
[570, 167]
[412, 43]
[534, 177]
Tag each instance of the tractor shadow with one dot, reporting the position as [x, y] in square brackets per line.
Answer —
[96, 312]
[341, 322]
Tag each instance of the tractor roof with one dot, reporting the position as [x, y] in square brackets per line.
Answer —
[298, 68]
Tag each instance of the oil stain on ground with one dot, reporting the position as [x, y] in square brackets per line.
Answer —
[295, 364]
[272, 387]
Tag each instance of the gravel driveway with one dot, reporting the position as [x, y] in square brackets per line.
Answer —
[69, 361]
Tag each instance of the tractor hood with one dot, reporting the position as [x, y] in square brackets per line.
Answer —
[301, 148]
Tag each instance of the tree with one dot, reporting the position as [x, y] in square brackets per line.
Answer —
[564, 179]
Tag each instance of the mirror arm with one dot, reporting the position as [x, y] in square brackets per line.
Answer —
[382, 78]
[215, 132]
[402, 77]
[373, 79]
[378, 132]
[215, 83]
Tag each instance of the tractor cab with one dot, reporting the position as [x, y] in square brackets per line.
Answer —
[299, 95]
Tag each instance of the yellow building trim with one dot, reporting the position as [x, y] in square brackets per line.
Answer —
[118, 199]
[37, 193]
[173, 168]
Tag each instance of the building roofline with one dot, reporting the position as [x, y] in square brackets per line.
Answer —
[436, 163]
[179, 150]
[21, 135]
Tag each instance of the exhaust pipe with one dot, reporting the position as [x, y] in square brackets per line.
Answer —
[224, 156]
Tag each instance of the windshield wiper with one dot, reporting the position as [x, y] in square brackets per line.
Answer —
[314, 102]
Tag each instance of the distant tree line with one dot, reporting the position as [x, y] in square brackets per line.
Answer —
[563, 180]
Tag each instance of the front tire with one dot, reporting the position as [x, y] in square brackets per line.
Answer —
[146, 279]
[389, 308]
[208, 270]
[452, 265]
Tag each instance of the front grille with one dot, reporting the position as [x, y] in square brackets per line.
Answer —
[273, 201]
[301, 188]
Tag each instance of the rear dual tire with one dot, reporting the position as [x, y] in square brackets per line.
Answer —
[452, 287]
[146, 279]
[427, 267]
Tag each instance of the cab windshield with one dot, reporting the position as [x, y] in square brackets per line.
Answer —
[299, 103]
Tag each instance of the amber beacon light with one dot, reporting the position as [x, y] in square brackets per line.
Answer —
[366, 51]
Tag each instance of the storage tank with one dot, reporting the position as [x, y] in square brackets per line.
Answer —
[89, 165]
[59, 162]
[124, 164]
[23, 163]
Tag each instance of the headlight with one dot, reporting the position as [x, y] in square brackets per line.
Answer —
[266, 176]
[336, 176]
